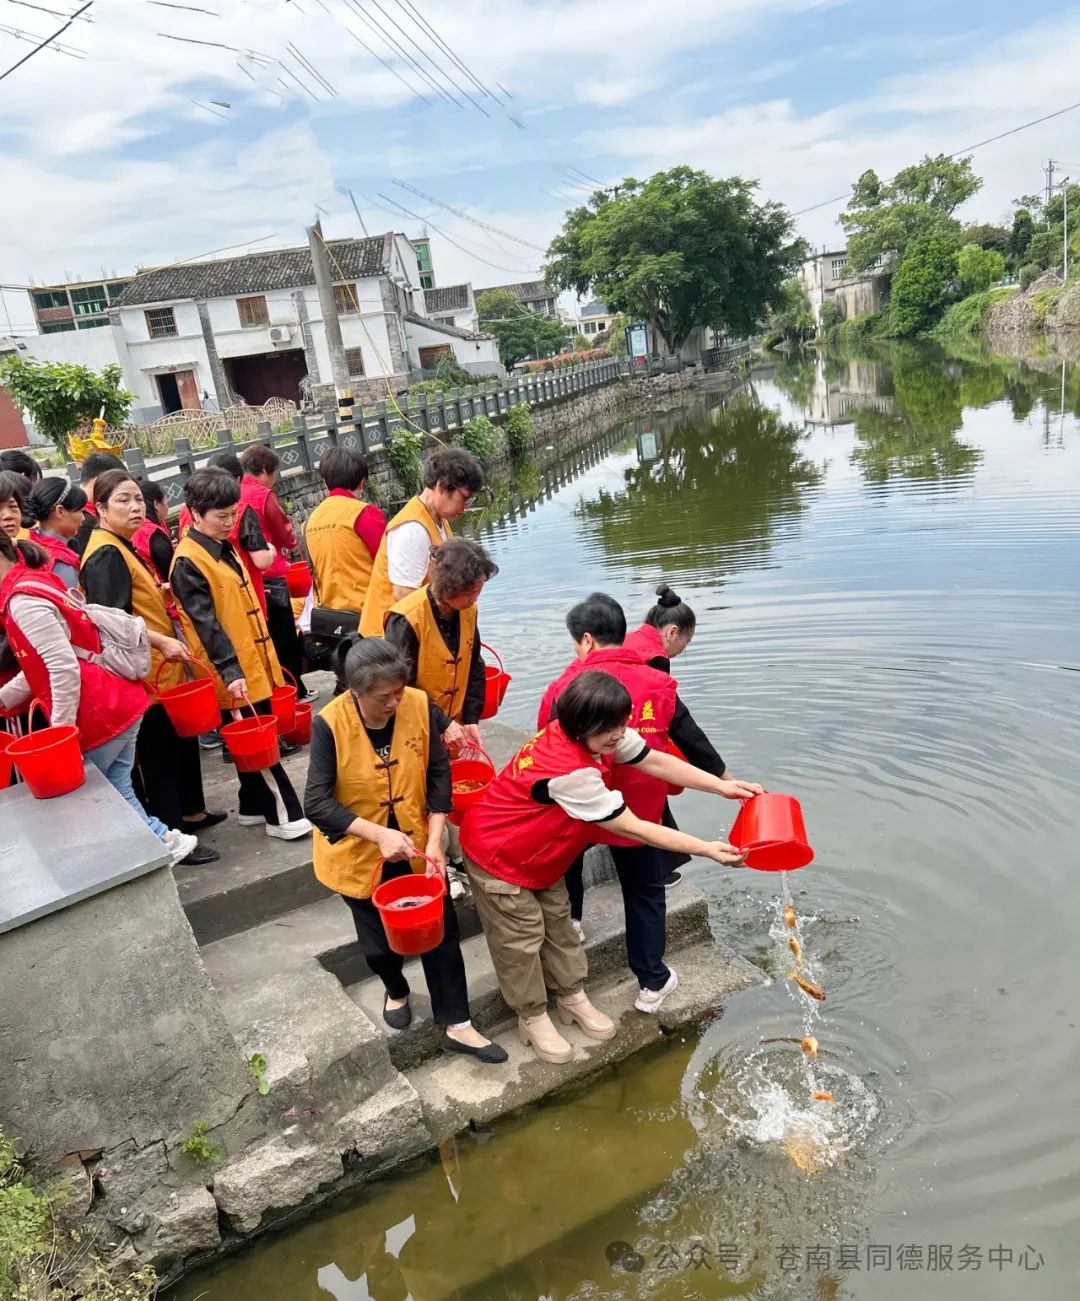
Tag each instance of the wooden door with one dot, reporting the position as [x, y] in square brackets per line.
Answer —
[189, 390]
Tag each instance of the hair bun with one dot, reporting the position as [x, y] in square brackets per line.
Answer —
[666, 597]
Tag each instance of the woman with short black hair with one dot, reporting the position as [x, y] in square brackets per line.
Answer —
[343, 534]
[224, 626]
[378, 792]
[541, 811]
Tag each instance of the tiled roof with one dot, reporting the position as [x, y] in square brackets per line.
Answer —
[454, 298]
[595, 308]
[256, 273]
[441, 327]
[527, 290]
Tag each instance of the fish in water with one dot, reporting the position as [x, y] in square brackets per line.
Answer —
[789, 917]
[807, 986]
[412, 901]
[822, 1096]
[796, 948]
[810, 1046]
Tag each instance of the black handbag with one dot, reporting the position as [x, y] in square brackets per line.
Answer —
[328, 625]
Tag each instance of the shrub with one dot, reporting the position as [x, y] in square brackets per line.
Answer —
[199, 1148]
[1029, 273]
[830, 316]
[403, 453]
[966, 319]
[979, 268]
[518, 428]
[62, 397]
[481, 438]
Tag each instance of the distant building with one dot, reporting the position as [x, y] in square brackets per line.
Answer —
[452, 305]
[202, 334]
[828, 279]
[81, 305]
[593, 318]
[422, 249]
[534, 295]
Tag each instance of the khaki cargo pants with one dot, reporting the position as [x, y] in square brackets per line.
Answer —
[533, 946]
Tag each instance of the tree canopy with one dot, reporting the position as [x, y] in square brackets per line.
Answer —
[62, 397]
[680, 250]
[521, 334]
[979, 268]
[886, 216]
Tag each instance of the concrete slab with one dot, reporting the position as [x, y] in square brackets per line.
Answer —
[104, 845]
[456, 1092]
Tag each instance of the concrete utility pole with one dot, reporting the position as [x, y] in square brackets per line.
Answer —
[1049, 173]
[339, 370]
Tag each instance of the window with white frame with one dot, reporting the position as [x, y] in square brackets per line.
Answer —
[839, 268]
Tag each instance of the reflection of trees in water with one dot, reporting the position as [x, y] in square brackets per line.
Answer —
[721, 482]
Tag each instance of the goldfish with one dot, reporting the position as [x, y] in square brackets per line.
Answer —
[796, 948]
[821, 1096]
[789, 916]
[810, 1046]
[807, 986]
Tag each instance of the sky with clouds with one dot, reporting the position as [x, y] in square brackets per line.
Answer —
[128, 148]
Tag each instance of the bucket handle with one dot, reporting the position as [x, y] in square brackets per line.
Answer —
[434, 863]
[190, 660]
[36, 704]
[296, 684]
[485, 646]
[473, 749]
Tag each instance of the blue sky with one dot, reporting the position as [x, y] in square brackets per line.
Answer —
[118, 159]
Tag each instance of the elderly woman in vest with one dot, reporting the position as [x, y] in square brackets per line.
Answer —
[224, 626]
[378, 791]
[343, 532]
[113, 573]
[53, 639]
[452, 478]
[535, 818]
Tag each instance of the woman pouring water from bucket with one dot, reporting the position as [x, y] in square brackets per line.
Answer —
[378, 792]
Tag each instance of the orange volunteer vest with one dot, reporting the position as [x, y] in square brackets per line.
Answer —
[380, 593]
[444, 677]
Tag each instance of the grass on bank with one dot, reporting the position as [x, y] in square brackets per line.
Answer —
[967, 318]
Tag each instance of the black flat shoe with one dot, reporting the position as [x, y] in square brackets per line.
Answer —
[672, 878]
[491, 1052]
[396, 1018]
[211, 820]
[287, 748]
[200, 856]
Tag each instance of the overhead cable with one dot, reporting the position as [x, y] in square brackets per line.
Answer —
[467, 216]
[48, 41]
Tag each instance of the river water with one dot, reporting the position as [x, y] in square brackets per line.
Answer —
[884, 556]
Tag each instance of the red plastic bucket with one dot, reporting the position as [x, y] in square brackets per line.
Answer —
[298, 578]
[192, 706]
[770, 828]
[252, 742]
[6, 764]
[301, 731]
[496, 680]
[49, 761]
[470, 771]
[283, 705]
[676, 753]
[415, 929]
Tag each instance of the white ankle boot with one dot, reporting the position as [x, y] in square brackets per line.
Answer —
[546, 1041]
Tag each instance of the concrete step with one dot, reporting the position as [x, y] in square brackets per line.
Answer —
[605, 944]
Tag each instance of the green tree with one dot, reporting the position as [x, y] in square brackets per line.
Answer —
[921, 284]
[978, 268]
[793, 321]
[520, 333]
[1023, 227]
[987, 236]
[679, 250]
[61, 397]
[887, 216]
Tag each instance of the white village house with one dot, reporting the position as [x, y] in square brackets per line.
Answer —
[202, 334]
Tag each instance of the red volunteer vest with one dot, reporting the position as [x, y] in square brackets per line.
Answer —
[518, 840]
[108, 705]
[646, 643]
[254, 494]
[652, 697]
[56, 549]
[253, 572]
[141, 540]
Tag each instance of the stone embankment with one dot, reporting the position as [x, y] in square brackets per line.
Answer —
[1047, 307]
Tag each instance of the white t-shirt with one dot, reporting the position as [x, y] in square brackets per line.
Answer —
[408, 553]
[582, 793]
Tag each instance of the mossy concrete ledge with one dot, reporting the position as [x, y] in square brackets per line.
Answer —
[127, 1044]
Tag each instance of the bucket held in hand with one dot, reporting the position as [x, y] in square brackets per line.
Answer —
[298, 578]
[770, 828]
[192, 706]
[496, 680]
[49, 761]
[252, 742]
[283, 705]
[418, 926]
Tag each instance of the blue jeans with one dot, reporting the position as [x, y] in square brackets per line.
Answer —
[115, 760]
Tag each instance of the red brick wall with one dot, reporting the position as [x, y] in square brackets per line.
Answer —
[12, 432]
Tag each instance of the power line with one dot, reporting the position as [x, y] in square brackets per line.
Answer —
[512, 271]
[194, 9]
[968, 149]
[59, 32]
[54, 13]
[418, 18]
[585, 175]
[306, 63]
[56, 46]
[394, 46]
[388, 66]
[438, 67]
[466, 216]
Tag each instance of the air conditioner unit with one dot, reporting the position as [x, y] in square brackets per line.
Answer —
[280, 334]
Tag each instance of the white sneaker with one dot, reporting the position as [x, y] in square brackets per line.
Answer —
[179, 845]
[289, 830]
[458, 888]
[649, 1000]
[577, 929]
[251, 819]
